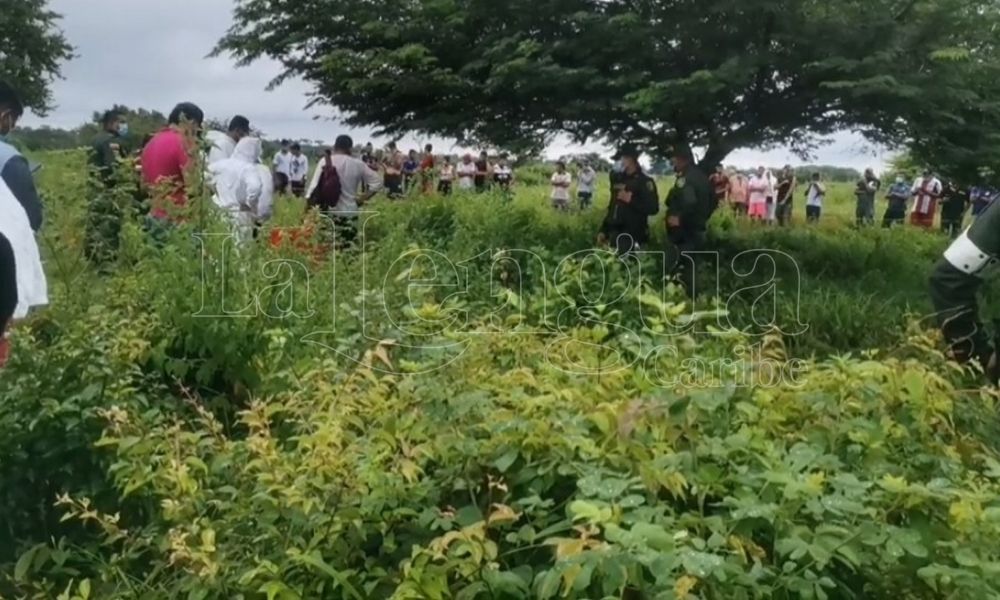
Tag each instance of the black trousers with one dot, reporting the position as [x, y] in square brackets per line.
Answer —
[894, 215]
[8, 283]
[952, 225]
[813, 213]
[957, 310]
[682, 258]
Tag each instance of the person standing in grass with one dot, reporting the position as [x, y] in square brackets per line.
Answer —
[166, 158]
[899, 198]
[358, 184]
[298, 171]
[561, 182]
[815, 195]
[866, 190]
[927, 192]
[503, 176]
[282, 164]
[427, 171]
[758, 188]
[410, 167]
[739, 194]
[104, 214]
[466, 171]
[483, 172]
[239, 187]
[393, 172]
[633, 201]
[787, 184]
[22, 279]
[447, 177]
[771, 200]
[586, 184]
[690, 205]
[721, 185]
[954, 202]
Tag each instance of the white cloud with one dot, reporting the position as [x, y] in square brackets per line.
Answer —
[152, 54]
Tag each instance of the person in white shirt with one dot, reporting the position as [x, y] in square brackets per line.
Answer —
[815, 195]
[298, 171]
[585, 186]
[238, 186]
[446, 177]
[503, 176]
[466, 172]
[223, 144]
[772, 200]
[561, 182]
[758, 187]
[355, 176]
[282, 164]
[927, 192]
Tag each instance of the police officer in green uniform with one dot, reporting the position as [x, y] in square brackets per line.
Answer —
[689, 205]
[104, 214]
[954, 284]
[633, 201]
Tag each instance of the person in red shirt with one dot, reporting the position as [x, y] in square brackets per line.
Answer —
[166, 158]
[427, 170]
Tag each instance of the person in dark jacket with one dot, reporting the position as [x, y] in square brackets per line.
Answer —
[690, 204]
[954, 203]
[954, 284]
[104, 215]
[633, 201]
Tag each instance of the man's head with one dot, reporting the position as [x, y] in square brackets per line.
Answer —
[467, 159]
[789, 170]
[561, 167]
[413, 154]
[11, 108]
[761, 171]
[343, 144]
[720, 169]
[296, 149]
[447, 160]
[483, 156]
[369, 148]
[428, 149]
[391, 146]
[900, 178]
[239, 127]
[111, 121]
[815, 176]
[928, 173]
[188, 117]
[629, 157]
[682, 158]
[869, 174]
[285, 145]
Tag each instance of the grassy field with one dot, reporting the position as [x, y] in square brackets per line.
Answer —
[474, 405]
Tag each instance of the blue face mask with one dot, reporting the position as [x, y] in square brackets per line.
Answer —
[618, 167]
[123, 130]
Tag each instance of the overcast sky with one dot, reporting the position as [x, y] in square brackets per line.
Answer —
[151, 54]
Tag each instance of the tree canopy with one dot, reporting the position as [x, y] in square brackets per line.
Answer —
[715, 74]
[32, 48]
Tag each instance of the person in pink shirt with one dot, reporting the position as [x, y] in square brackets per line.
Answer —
[759, 187]
[739, 194]
[167, 156]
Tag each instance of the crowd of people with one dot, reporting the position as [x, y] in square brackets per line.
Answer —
[765, 197]
[243, 184]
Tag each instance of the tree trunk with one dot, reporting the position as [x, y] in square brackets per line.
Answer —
[716, 153]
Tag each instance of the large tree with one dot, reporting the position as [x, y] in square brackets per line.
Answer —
[715, 74]
[32, 48]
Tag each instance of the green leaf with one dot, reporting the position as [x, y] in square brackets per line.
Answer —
[314, 560]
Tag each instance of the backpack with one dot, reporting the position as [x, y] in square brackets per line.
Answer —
[327, 192]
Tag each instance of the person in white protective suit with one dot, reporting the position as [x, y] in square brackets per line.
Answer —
[20, 262]
[238, 186]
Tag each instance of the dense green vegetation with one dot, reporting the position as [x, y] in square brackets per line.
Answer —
[446, 416]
